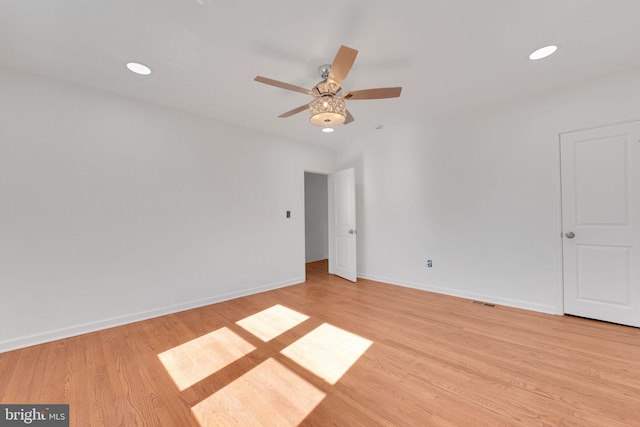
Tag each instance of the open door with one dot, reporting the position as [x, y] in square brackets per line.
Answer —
[342, 224]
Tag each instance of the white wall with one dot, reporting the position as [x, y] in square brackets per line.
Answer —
[316, 208]
[114, 210]
[479, 195]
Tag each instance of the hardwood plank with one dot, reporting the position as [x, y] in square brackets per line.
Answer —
[434, 360]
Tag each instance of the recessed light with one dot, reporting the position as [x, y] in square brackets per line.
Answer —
[379, 127]
[543, 52]
[138, 68]
[327, 130]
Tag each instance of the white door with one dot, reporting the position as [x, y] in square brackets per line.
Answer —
[601, 223]
[342, 224]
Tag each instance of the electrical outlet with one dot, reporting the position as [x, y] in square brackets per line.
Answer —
[429, 263]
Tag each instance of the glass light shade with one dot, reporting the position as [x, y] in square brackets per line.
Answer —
[327, 111]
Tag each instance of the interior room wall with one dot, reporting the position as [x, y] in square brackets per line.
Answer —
[114, 210]
[479, 195]
[316, 206]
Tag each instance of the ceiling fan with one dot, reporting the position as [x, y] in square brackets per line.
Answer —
[328, 106]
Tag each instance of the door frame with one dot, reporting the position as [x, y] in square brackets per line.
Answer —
[557, 180]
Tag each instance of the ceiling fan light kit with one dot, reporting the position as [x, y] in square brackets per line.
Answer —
[328, 108]
[327, 111]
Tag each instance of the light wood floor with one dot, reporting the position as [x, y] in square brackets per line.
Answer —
[433, 361]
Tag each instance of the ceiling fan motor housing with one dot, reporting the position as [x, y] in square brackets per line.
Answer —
[326, 88]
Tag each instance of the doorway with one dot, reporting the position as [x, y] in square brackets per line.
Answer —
[330, 222]
[316, 220]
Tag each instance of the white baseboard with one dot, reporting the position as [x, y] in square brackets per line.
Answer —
[71, 331]
[549, 309]
[57, 334]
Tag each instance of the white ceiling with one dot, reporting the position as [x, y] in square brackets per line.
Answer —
[450, 56]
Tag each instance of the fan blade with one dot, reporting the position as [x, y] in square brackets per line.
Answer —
[378, 93]
[341, 65]
[282, 85]
[294, 111]
[349, 118]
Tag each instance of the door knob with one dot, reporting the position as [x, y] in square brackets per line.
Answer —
[570, 235]
[352, 232]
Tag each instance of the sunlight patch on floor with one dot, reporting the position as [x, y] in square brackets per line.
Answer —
[199, 358]
[271, 322]
[268, 395]
[327, 351]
